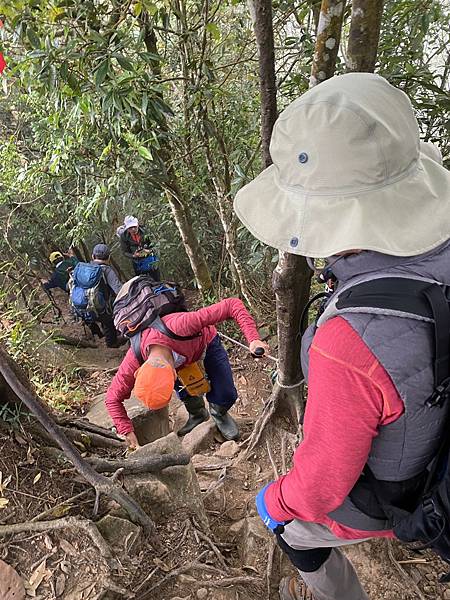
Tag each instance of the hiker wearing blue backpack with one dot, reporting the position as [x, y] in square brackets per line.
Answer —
[136, 245]
[93, 288]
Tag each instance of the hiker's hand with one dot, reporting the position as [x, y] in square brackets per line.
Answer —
[132, 440]
[259, 344]
[44, 281]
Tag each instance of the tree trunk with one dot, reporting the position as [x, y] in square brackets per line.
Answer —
[191, 245]
[328, 39]
[291, 281]
[364, 35]
[222, 188]
[177, 203]
[261, 11]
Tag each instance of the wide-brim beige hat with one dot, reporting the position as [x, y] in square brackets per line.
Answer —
[348, 174]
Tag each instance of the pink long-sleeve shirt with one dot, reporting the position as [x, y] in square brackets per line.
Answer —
[350, 395]
[186, 323]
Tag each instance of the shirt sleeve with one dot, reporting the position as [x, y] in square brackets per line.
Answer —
[349, 396]
[113, 280]
[119, 391]
[125, 248]
[191, 323]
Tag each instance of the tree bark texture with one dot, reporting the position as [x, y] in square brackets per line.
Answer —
[261, 11]
[22, 389]
[328, 39]
[364, 35]
[292, 275]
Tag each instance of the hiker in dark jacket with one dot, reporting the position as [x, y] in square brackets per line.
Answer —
[369, 432]
[101, 256]
[62, 268]
[136, 245]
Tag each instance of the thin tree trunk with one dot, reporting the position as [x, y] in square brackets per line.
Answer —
[222, 188]
[328, 39]
[261, 11]
[291, 280]
[177, 202]
[364, 35]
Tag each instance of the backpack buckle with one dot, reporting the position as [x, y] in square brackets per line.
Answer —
[440, 394]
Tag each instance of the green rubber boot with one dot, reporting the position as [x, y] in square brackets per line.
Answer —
[224, 422]
[195, 406]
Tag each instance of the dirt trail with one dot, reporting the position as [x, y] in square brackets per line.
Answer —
[236, 547]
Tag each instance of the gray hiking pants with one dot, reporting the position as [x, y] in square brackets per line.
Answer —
[335, 578]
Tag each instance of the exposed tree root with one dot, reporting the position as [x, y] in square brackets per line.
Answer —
[146, 464]
[18, 382]
[85, 524]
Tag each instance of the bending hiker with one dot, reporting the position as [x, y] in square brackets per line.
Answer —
[93, 288]
[168, 361]
[136, 245]
[349, 182]
[63, 266]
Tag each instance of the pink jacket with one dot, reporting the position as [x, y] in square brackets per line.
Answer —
[188, 323]
[349, 396]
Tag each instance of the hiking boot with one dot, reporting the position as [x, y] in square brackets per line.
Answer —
[224, 422]
[293, 588]
[195, 406]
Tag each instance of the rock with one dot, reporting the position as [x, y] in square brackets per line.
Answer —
[199, 438]
[202, 593]
[252, 538]
[119, 532]
[149, 425]
[236, 528]
[264, 333]
[173, 489]
[446, 595]
[201, 461]
[228, 449]
[153, 495]
[11, 584]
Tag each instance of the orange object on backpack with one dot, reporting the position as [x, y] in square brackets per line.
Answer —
[193, 379]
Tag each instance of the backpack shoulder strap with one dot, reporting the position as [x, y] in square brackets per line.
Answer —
[160, 326]
[396, 296]
[414, 298]
[135, 343]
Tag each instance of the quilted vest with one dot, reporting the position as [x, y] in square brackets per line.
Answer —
[404, 345]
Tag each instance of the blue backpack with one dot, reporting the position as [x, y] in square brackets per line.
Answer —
[87, 291]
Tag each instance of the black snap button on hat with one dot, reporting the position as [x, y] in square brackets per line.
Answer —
[303, 157]
[294, 242]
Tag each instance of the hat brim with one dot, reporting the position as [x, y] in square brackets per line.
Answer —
[404, 218]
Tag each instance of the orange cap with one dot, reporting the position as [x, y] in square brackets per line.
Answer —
[154, 382]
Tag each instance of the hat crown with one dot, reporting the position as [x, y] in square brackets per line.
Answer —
[352, 133]
[101, 251]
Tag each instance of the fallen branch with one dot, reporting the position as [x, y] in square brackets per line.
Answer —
[93, 439]
[404, 574]
[67, 340]
[146, 464]
[86, 425]
[226, 581]
[88, 526]
[101, 483]
[213, 547]
[183, 569]
[48, 512]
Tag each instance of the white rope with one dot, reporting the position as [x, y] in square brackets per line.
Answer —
[289, 387]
